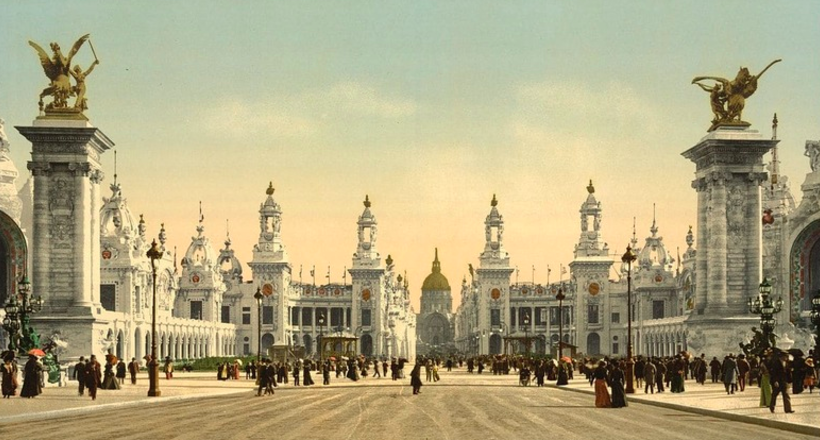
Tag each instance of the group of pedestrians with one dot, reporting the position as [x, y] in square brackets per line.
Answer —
[32, 376]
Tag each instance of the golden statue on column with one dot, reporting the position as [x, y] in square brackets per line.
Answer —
[59, 70]
[729, 97]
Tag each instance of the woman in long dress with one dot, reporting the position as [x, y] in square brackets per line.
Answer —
[307, 379]
[8, 375]
[109, 379]
[32, 374]
[602, 399]
[616, 382]
[765, 384]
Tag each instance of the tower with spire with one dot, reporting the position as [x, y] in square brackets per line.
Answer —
[368, 283]
[271, 270]
[493, 277]
[589, 270]
[200, 284]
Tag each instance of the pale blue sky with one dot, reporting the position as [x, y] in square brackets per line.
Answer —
[429, 107]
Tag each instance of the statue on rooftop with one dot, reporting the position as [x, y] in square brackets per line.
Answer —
[728, 98]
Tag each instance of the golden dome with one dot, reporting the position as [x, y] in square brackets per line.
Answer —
[435, 281]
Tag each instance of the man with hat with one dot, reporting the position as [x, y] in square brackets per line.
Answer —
[743, 369]
[780, 376]
[79, 375]
[730, 373]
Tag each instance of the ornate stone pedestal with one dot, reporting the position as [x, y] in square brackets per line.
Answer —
[65, 243]
[729, 172]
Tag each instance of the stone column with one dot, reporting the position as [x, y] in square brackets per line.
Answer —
[728, 174]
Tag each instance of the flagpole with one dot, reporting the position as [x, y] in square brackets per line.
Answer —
[533, 274]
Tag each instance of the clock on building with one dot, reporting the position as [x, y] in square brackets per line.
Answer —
[594, 289]
[267, 289]
[495, 294]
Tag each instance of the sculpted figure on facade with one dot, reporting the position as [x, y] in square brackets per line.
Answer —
[813, 153]
[728, 98]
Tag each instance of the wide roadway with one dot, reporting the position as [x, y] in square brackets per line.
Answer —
[461, 406]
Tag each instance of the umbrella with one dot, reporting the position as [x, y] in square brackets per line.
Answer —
[36, 352]
[332, 358]
[111, 358]
[567, 359]
[238, 361]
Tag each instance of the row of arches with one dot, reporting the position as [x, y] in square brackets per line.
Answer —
[184, 345]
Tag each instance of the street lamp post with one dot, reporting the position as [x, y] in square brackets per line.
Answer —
[560, 297]
[815, 319]
[628, 258]
[764, 306]
[321, 336]
[17, 322]
[526, 321]
[154, 254]
[258, 297]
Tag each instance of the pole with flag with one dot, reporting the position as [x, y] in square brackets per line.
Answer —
[516, 276]
[328, 275]
[313, 275]
[533, 274]
[548, 275]
[344, 276]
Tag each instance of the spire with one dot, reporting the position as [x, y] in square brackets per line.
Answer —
[436, 264]
[494, 201]
[227, 233]
[115, 166]
[654, 228]
[590, 188]
[634, 234]
[163, 237]
[200, 228]
[775, 163]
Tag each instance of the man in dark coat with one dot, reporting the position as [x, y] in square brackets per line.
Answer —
[415, 378]
[93, 376]
[263, 378]
[780, 376]
[79, 375]
[715, 367]
[743, 369]
[133, 369]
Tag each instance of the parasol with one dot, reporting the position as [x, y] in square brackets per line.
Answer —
[238, 361]
[796, 352]
[567, 359]
[332, 358]
[36, 352]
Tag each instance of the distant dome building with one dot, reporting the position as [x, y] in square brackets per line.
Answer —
[435, 333]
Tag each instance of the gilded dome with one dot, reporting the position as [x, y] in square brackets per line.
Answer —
[435, 281]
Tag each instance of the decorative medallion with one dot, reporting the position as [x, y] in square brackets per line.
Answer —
[658, 278]
[195, 278]
[307, 290]
[337, 291]
[321, 291]
[554, 290]
[106, 254]
[267, 289]
[594, 289]
[495, 294]
[366, 295]
[524, 291]
[539, 291]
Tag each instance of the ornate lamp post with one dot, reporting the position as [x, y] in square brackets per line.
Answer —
[815, 319]
[526, 320]
[258, 297]
[17, 322]
[321, 336]
[628, 258]
[154, 254]
[766, 308]
[563, 377]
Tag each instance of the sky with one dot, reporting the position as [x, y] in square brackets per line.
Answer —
[427, 107]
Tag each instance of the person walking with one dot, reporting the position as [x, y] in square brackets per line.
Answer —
[263, 379]
[714, 368]
[121, 372]
[32, 376]
[599, 375]
[617, 382]
[810, 381]
[169, 368]
[743, 369]
[660, 372]
[730, 373]
[415, 378]
[8, 375]
[79, 375]
[779, 375]
[765, 382]
[133, 369]
[296, 372]
[326, 373]
[93, 376]
[649, 374]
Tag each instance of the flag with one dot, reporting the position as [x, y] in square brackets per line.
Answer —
[548, 269]
[563, 270]
[313, 272]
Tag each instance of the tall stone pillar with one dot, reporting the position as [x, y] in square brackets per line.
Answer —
[729, 172]
[65, 164]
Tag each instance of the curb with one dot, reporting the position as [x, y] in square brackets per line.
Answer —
[58, 413]
[777, 424]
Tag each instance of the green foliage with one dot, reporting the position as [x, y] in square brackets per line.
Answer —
[211, 363]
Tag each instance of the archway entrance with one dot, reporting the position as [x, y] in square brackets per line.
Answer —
[13, 256]
[495, 344]
[804, 260]
[367, 345]
[593, 343]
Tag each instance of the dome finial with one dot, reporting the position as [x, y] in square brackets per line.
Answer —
[494, 201]
[270, 189]
[366, 201]
[590, 188]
